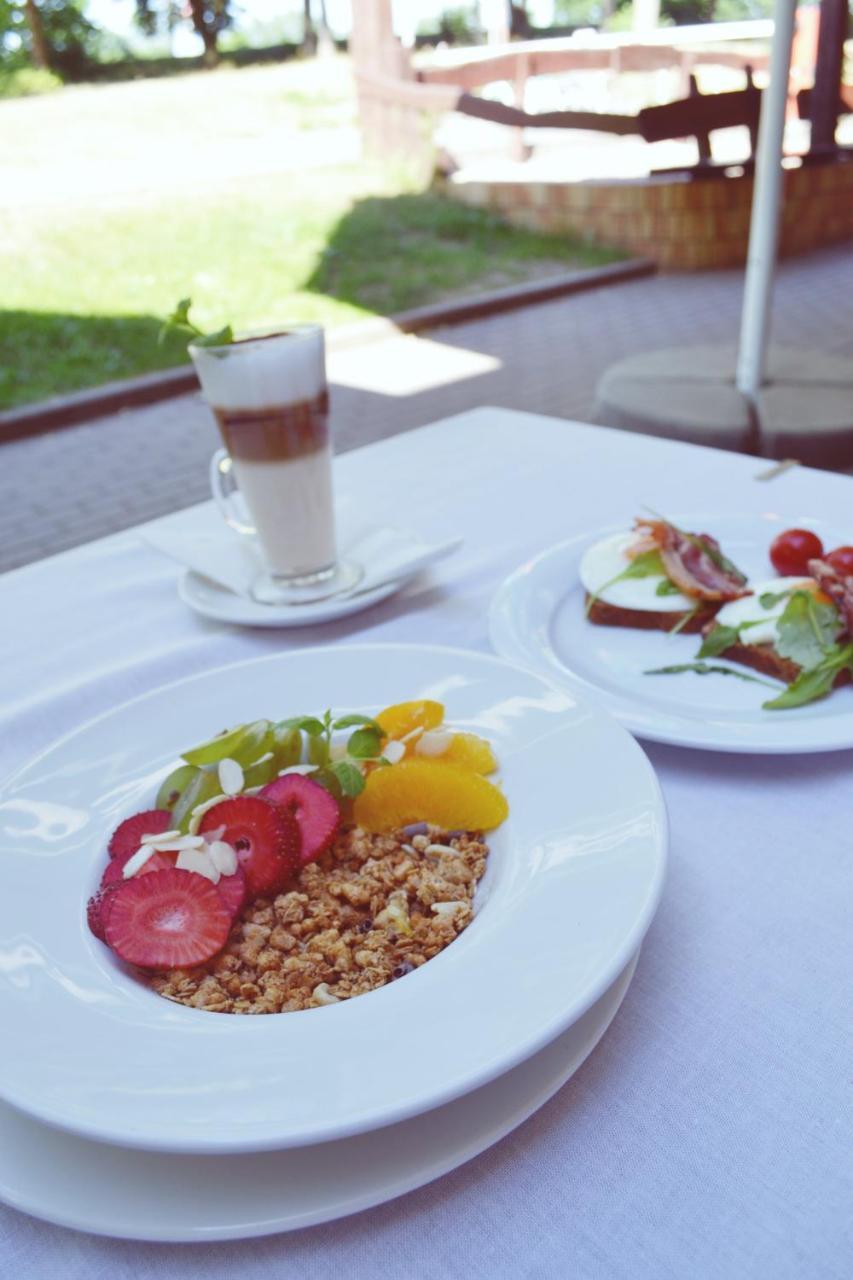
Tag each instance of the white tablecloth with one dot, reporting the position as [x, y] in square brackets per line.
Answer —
[709, 1135]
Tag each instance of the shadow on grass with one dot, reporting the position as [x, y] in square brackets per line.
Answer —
[44, 354]
[391, 253]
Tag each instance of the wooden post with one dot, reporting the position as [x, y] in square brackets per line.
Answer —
[827, 87]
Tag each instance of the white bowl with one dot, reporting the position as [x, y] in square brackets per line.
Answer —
[571, 887]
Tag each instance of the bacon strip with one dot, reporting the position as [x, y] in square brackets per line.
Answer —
[838, 588]
[692, 562]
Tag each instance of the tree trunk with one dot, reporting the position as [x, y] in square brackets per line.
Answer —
[309, 31]
[207, 31]
[39, 47]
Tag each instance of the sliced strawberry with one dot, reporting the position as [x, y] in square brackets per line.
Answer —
[315, 809]
[128, 834]
[97, 909]
[265, 838]
[232, 891]
[168, 920]
[113, 872]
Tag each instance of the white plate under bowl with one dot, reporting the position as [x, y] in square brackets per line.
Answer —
[214, 601]
[537, 619]
[572, 884]
[145, 1195]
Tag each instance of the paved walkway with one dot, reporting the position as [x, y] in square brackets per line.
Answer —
[80, 483]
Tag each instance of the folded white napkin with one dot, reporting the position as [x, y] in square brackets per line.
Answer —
[200, 539]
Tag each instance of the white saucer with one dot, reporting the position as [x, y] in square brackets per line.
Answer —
[139, 1195]
[215, 601]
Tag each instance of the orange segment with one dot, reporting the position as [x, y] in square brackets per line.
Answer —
[403, 717]
[470, 752]
[429, 791]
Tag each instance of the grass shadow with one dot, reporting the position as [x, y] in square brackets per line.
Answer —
[44, 354]
[389, 253]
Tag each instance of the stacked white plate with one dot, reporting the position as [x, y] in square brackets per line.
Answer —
[131, 1116]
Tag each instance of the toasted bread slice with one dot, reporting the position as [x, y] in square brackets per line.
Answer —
[764, 658]
[613, 615]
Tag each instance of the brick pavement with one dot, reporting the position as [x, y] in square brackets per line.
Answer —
[80, 483]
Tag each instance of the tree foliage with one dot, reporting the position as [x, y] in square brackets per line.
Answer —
[209, 19]
[54, 34]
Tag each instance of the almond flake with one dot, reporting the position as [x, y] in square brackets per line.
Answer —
[200, 863]
[230, 776]
[164, 835]
[137, 860]
[394, 752]
[298, 768]
[200, 810]
[182, 842]
[436, 742]
[223, 856]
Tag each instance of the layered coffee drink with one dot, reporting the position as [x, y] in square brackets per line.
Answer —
[270, 399]
[281, 455]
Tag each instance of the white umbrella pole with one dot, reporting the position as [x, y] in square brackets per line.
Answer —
[766, 201]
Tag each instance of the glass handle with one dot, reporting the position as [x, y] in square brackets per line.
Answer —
[224, 489]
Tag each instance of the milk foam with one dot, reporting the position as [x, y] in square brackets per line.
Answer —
[259, 372]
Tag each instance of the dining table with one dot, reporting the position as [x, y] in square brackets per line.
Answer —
[710, 1133]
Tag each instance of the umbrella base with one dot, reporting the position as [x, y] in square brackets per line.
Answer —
[804, 411]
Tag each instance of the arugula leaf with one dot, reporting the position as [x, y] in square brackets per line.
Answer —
[769, 599]
[308, 724]
[688, 616]
[718, 639]
[347, 722]
[364, 744]
[816, 682]
[666, 588]
[807, 629]
[349, 777]
[647, 564]
[706, 669]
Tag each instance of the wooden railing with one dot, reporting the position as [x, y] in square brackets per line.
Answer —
[399, 97]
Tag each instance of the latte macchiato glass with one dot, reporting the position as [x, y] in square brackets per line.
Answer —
[270, 399]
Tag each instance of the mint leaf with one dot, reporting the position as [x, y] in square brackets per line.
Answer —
[179, 322]
[327, 778]
[807, 629]
[349, 777]
[348, 722]
[308, 724]
[718, 639]
[706, 669]
[364, 744]
[666, 588]
[816, 682]
[221, 338]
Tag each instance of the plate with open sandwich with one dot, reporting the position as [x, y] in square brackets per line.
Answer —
[728, 632]
[313, 894]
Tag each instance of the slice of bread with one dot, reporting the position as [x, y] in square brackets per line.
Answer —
[765, 659]
[612, 615]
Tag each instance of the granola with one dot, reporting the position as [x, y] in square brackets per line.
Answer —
[367, 912]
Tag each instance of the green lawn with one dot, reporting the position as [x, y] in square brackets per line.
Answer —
[155, 212]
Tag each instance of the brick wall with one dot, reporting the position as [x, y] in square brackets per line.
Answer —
[683, 225]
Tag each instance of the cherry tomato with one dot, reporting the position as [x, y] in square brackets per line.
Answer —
[792, 550]
[841, 560]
